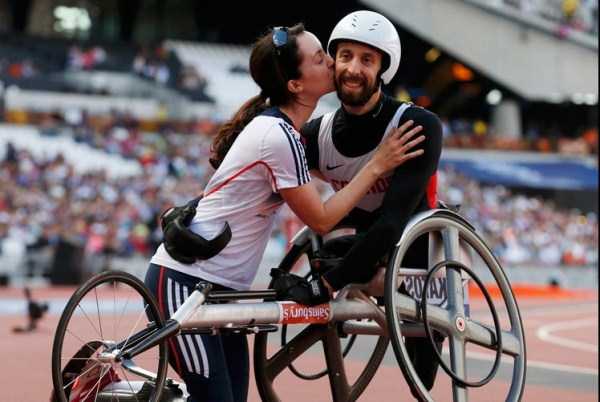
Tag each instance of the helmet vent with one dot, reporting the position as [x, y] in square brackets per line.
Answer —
[375, 24]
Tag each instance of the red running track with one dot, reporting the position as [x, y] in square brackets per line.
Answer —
[561, 333]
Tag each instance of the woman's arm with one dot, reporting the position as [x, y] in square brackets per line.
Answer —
[320, 216]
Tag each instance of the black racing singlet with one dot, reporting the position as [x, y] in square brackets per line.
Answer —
[410, 189]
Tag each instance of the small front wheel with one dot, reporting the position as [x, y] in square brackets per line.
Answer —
[106, 313]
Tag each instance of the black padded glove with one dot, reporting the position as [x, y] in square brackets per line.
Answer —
[296, 288]
[174, 223]
[183, 244]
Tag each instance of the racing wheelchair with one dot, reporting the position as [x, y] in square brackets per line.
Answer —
[111, 333]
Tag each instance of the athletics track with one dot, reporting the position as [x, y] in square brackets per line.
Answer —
[562, 353]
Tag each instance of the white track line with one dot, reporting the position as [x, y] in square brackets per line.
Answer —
[573, 309]
[545, 334]
[562, 367]
[533, 363]
[537, 311]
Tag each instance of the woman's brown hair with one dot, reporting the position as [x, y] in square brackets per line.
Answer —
[271, 67]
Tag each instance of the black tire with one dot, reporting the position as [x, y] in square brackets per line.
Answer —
[117, 280]
[314, 333]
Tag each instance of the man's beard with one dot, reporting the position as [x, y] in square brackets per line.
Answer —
[355, 98]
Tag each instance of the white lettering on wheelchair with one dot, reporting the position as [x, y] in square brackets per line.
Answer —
[293, 313]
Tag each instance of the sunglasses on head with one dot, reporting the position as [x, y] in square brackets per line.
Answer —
[280, 38]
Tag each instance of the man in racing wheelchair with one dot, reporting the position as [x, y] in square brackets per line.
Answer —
[366, 49]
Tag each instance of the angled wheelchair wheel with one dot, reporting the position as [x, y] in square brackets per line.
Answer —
[292, 342]
[108, 312]
[456, 253]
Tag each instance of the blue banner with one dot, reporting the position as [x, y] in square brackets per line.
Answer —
[559, 175]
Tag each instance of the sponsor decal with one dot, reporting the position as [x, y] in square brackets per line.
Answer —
[333, 167]
[437, 293]
[294, 313]
[380, 186]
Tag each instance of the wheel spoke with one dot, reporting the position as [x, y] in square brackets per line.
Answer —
[407, 308]
[80, 340]
[128, 383]
[114, 308]
[458, 362]
[89, 320]
[485, 336]
[294, 348]
[338, 380]
[97, 385]
[454, 287]
[142, 313]
[96, 363]
[122, 313]
[77, 358]
[98, 309]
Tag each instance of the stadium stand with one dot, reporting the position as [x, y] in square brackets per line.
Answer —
[581, 15]
[49, 196]
[32, 63]
[98, 137]
[227, 66]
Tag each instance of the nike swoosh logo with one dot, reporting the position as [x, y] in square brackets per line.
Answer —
[333, 167]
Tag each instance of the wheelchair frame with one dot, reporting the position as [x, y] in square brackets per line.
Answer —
[352, 307]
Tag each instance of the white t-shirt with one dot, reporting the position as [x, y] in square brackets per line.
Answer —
[244, 191]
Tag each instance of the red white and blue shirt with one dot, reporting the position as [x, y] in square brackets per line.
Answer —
[266, 157]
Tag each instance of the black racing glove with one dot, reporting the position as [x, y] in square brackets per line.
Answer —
[293, 287]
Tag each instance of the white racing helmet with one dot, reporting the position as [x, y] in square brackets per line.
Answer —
[372, 29]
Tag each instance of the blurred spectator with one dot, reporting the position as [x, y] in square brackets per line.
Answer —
[191, 80]
[10, 155]
[2, 106]
[78, 59]
[49, 124]
[43, 199]
[116, 217]
[21, 69]
[569, 8]
[152, 65]
[463, 133]
[580, 15]
[590, 136]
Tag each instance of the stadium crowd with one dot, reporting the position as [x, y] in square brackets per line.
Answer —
[476, 134]
[580, 15]
[44, 201]
[521, 229]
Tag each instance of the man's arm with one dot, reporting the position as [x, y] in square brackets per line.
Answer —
[407, 190]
